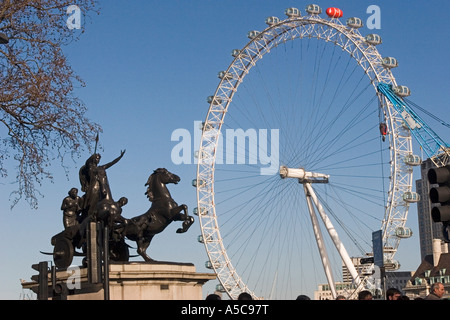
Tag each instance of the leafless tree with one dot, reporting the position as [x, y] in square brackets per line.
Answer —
[41, 119]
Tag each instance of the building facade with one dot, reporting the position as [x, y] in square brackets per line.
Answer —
[394, 279]
[434, 268]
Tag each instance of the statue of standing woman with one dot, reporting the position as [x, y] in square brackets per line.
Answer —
[71, 207]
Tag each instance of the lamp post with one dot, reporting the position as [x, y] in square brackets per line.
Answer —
[3, 38]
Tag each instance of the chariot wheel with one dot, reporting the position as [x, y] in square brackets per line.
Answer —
[310, 110]
[63, 253]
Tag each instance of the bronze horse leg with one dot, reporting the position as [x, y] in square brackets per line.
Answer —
[143, 243]
[187, 219]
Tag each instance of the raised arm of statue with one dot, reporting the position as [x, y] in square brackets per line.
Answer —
[108, 165]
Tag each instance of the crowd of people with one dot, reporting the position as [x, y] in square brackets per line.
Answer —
[437, 291]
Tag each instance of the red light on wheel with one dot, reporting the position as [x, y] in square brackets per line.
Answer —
[334, 13]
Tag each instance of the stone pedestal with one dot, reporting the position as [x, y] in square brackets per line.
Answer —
[134, 281]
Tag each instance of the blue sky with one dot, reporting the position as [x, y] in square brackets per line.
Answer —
[149, 66]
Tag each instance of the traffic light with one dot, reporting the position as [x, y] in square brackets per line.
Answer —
[42, 279]
[441, 196]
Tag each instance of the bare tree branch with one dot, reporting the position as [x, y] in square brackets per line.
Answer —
[40, 117]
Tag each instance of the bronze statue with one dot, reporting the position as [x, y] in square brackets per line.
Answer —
[110, 212]
[163, 211]
[71, 207]
[98, 205]
[95, 205]
[94, 182]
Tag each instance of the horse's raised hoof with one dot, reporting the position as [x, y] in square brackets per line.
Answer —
[186, 225]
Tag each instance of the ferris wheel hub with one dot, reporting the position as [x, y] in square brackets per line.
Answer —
[302, 175]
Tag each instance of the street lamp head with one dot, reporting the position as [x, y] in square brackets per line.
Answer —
[3, 38]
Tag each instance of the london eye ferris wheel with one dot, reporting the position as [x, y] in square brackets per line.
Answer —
[302, 153]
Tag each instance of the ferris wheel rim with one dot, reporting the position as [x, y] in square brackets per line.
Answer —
[230, 275]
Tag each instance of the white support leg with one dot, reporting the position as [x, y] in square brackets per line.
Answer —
[320, 244]
[334, 236]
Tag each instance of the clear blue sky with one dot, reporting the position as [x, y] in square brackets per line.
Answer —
[149, 66]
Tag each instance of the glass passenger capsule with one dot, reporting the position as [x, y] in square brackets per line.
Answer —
[238, 53]
[390, 62]
[373, 39]
[402, 91]
[253, 34]
[292, 12]
[205, 127]
[354, 22]
[198, 183]
[220, 288]
[413, 160]
[313, 9]
[411, 197]
[270, 21]
[202, 240]
[209, 264]
[225, 75]
[214, 100]
[403, 232]
[196, 154]
[235, 53]
[202, 211]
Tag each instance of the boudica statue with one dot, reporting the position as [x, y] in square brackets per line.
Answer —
[97, 204]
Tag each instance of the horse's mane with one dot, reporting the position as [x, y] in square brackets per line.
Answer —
[149, 184]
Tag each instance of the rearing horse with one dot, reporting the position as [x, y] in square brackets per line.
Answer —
[163, 211]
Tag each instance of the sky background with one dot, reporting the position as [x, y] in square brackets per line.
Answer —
[149, 66]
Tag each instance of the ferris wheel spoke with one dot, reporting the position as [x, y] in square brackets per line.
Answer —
[320, 143]
[347, 127]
